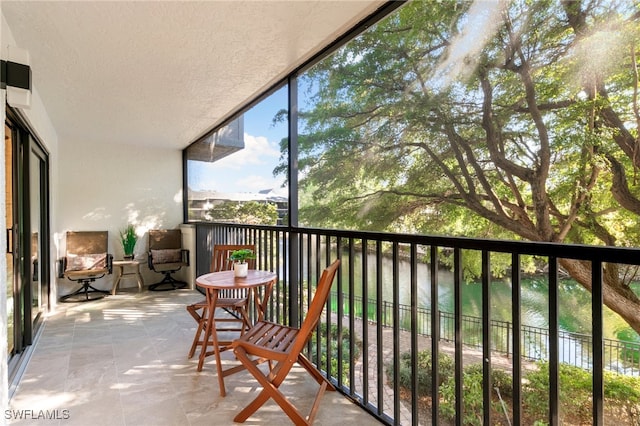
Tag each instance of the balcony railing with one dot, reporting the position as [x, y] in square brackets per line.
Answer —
[618, 354]
[371, 269]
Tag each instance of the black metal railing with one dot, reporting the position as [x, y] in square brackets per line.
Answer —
[380, 266]
[619, 355]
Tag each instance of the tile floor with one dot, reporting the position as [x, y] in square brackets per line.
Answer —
[122, 361]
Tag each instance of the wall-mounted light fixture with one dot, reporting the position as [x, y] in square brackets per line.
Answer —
[16, 77]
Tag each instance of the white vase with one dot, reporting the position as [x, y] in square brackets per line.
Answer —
[240, 269]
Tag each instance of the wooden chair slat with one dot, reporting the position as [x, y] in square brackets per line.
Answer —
[283, 345]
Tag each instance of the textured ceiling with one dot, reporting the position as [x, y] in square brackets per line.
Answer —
[164, 72]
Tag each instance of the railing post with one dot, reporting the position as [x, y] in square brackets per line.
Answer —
[597, 332]
[292, 174]
[294, 274]
[554, 337]
[435, 338]
[487, 386]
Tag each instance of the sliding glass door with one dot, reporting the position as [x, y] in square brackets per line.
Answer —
[13, 329]
[27, 220]
[38, 231]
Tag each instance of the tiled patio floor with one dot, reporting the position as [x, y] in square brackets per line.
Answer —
[123, 361]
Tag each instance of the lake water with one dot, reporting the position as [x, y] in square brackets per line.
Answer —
[574, 300]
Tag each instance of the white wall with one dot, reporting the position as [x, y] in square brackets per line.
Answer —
[38, 119]
[93, 187]
[104, 187]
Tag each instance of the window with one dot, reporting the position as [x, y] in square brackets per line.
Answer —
[238, 172]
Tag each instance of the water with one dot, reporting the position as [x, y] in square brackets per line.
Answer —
[574, 301]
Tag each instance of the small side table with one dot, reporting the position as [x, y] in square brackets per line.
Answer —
[134, 270]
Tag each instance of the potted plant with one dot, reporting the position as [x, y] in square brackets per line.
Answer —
[128, 238]
[239, 258]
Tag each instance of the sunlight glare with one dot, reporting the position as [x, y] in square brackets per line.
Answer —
[127, 314]
[598, 54]
[461, 59]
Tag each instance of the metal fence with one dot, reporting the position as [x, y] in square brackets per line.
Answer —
[575, 348]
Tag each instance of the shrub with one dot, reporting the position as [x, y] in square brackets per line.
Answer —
[575, 388]
[334, 343]
[472, 394]
[623, 392]
[423, 371]
[574, 391]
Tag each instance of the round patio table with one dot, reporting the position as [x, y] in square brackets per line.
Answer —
[212, 283]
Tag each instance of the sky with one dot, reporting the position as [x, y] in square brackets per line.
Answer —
[250, 169]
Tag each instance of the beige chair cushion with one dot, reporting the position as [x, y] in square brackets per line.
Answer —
[85, 262]
[166, 256]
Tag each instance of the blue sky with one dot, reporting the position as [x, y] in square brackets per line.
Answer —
[250, 169]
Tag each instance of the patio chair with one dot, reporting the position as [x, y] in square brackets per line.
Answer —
[166, 256]
[282, 346]
[234, 302]
[86, 260]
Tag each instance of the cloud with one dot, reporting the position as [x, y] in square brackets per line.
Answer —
[257, 151]
[247, 170]
[255, 183]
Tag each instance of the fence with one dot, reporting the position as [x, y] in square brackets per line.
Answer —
[299, 254]
[575, 348]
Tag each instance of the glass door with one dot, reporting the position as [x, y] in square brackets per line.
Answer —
[27, 251]
[38, 198]
[9, 220]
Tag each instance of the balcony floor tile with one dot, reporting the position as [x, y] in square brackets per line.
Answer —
[123, 360]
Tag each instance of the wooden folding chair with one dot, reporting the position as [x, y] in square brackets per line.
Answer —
[282, 346]
[234, 302]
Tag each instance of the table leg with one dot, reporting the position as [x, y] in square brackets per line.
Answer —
[207, 330]
[262, 304]
[116, 283]
[140, 280]
[211, 333]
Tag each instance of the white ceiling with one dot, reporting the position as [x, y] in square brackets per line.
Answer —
[162, 73]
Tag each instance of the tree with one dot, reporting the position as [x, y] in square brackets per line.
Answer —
[249, 212]
[504, 113]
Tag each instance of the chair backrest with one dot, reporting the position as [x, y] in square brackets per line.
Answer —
[317, 306]
[221, 252]
[86, 251]
[87, 242]
[163, 239]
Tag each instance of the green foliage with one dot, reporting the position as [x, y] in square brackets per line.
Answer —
[128, 239]
[242, 255]
[472, 381]
[622, 393]
[249, 212]
[337, 337]
[574, 391]
[403, 130]
[390, 143]
[423, 370]
[575, 387]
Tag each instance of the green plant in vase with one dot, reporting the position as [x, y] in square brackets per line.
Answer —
[239, 258]
[128, 238]
[242, 255]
